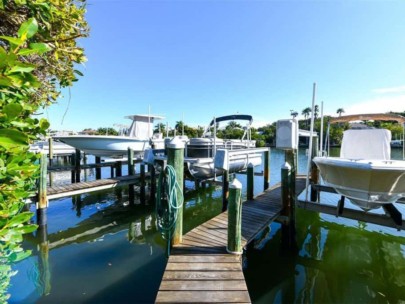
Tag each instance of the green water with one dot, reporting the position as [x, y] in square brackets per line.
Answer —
[100, 249]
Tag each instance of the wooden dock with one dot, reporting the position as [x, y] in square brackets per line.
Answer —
[200, 269]
[90, 186]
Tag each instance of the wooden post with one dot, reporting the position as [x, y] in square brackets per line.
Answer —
[98, 169]
[266, 170]
[288, 201]
[152, 183]
[50, 152]
[314, 170]
[131, 169]
[225, 190]
[175, 158]
[77, 166]
[250, 182]
[143, 183]
[72, 162]
[118, 168]
[42, 204]
[234, 245]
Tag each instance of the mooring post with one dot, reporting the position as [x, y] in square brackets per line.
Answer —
[266, 170]
[175, 158]
[143, 183]
[77, 166]
[131, 171]
[314, 169]
[50, 158]
[152, 183]
[118, 168]
[250, 182]
[225, 190]
[72, 162]
[42, 204]
[98, 169]
[288, 201]
[234, 245]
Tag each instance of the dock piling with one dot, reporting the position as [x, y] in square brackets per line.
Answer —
[225, 190]
[314, 171]
[234, 245]
[98, 169]
[288, 201]
[143, 183]
[175, 158]
[266, 170]
[131, 171]
[250, 181]
[42, 204]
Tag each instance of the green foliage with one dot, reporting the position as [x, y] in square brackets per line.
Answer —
[106, 131]
[37, 55]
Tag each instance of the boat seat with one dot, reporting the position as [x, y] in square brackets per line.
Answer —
[366, 144]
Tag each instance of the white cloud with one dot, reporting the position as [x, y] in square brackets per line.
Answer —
[378, 105]
[399, 89]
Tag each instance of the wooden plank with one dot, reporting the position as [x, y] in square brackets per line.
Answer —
[203, 275]
[203, 285]
[203, 296]
[196, 258]
[204, 266]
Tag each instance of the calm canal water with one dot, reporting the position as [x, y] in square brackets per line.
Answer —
[100, 249]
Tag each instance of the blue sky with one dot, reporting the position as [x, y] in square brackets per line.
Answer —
[200, 59]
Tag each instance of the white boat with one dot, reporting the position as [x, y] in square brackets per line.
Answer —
[364, 172]
[200, 151]
[140, 136]
[58, 148]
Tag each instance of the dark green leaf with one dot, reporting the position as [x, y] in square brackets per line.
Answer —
[78, 72]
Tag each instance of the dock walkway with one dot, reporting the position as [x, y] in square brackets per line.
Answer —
[90, 186]
[201, 270]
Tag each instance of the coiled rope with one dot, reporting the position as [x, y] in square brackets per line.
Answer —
[168, 203]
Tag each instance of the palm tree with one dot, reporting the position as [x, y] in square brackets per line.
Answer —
[179, 127]
[306, 113]
[340, 111]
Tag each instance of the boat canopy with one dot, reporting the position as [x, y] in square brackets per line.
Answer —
[232, 117]
[142, 126]
[366, 144]
[383, 117]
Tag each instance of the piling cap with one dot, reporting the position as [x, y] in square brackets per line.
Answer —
[235, 184]
[286, 166]
[176, 143]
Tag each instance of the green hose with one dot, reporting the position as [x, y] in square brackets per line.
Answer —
[167, 203]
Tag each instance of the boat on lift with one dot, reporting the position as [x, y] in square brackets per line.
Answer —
[365, 172]
[201, 151]
[139, 137]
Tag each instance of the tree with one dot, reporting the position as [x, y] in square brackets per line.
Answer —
[179, 127]
[340, 111]
[160, 127]
[38, 52]
[306, 113]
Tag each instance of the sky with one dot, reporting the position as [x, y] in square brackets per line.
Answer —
[194, 60]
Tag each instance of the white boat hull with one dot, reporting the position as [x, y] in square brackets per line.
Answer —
[58, 148]
[367, 183]
[106, 146]
[204, 168]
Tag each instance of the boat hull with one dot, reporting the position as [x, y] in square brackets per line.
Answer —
[367, 183]
[204, 168]
[106, 146]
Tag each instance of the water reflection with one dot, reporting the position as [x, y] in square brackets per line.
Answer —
[335, 264]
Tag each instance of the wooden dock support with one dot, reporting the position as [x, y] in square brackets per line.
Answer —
[288, 202]
[225, 190]
[175, 158]
[143, 184]
[98, 169]
[42, 204]
[314, 170]
[266, 170]
[234, 245]
[131, 171]
[250, 182]
[152, 194]
[77, 166]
